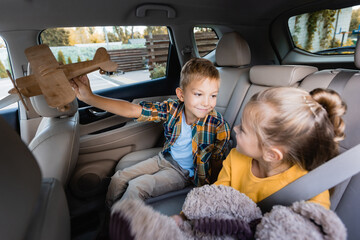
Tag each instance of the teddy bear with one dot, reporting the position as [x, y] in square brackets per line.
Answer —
[221, 212]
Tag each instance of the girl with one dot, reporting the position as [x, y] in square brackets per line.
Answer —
[285, 132]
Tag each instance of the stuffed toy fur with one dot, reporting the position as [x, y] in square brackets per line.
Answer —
[221, 212]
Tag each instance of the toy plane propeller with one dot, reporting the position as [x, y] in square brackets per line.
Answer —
[52, 79]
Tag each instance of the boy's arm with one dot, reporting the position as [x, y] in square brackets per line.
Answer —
[123, 108]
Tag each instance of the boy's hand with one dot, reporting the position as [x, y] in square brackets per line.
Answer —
[81, 86]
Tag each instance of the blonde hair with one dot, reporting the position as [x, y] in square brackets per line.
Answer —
[198, 69]
[307, 127]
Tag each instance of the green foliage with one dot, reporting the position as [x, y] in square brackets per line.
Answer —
[78, 59]
[3, 73]
[158, 71]
[355, 20]
[312, 26]
[61, 58]
[91, 30]
[122, 34]
[336, 43]
[69, 60]
[328, 17]
[297, 29]
[112, 37]
[55, 37]
[155, 30]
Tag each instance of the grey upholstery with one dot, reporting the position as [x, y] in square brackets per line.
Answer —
[232, 51]
[29, 207]
[233, 60]
[278, 76]
[345, 196]
[56, 142]
[265, 76]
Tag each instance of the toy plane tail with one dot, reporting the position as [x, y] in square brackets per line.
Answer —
[106, 65]
[101, 55]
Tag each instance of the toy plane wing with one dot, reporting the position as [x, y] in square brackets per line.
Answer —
[52, 81]
[41, 58]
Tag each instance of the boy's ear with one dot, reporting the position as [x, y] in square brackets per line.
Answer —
[180, 94]
[273, 155]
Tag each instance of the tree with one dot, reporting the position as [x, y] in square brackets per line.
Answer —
[91, 30]
[96, 38]
[112, 37]
[69, 60]
[132, 32]
[355, 20]
[79, 36]
[122, 34]
[78, 59]
[155, 30]
[61, 58]
[55, 37]
[3, 73]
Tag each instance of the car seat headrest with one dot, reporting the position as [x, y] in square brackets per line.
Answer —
[232, 51]
[279, 75]
[43, 109]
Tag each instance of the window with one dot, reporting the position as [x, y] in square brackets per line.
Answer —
[327, 31]
[206, 40]
[140, 51]
[5, 82]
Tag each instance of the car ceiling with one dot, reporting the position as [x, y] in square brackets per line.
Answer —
[40, 14]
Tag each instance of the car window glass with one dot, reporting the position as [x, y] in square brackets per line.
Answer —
[5, 82]
[206, 40]
[327, 31]
[141, 52]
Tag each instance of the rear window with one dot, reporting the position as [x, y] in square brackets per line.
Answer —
[141, 52]
[206, 40]
[329, 31]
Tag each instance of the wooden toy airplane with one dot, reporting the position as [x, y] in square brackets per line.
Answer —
[52, 79]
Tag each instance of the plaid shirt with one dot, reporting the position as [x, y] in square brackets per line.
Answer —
[210, 135]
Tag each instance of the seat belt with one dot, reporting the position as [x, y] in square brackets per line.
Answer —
[316, 181]
[325, 176]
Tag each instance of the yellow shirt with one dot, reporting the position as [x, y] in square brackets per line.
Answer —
[236, 172]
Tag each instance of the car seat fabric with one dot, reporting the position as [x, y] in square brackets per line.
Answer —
[30, 208]
[56, 142]
[265, 76]
[346, 195]
[20, 181]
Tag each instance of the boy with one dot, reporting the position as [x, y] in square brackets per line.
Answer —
[196, 135]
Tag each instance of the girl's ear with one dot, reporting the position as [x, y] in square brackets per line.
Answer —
[273, 155]
[180, 94]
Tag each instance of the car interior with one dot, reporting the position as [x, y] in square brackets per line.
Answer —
[56, 165]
